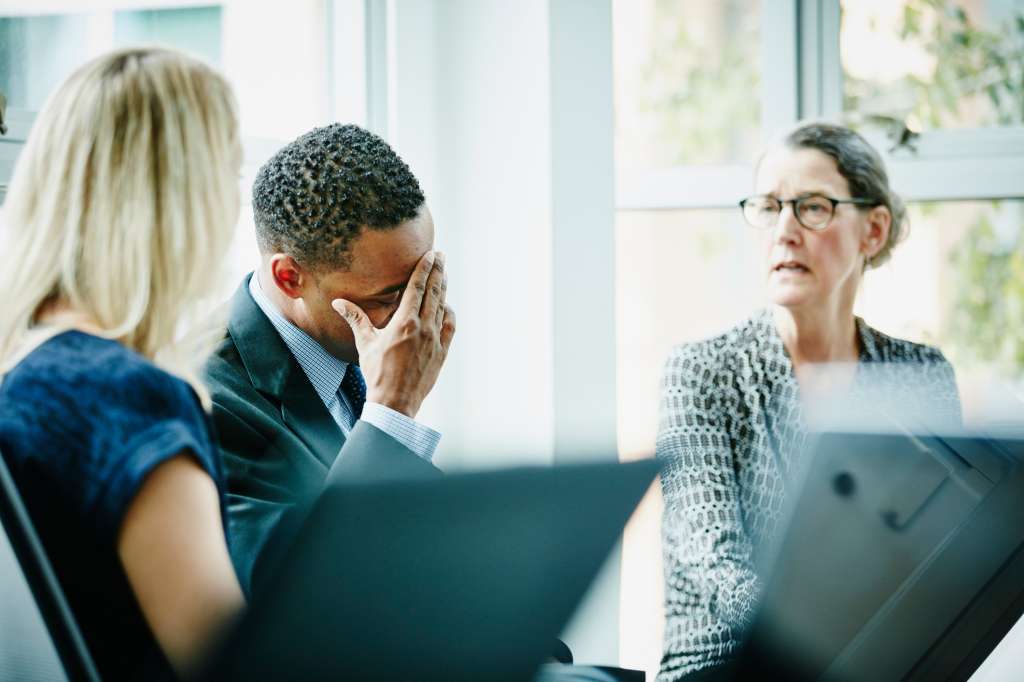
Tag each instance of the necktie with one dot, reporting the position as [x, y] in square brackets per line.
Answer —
[354, 388]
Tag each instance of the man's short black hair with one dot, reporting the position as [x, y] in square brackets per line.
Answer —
[319, 192]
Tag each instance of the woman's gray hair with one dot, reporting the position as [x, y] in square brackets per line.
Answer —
[862, 167]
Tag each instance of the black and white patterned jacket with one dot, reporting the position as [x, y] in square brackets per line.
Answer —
[731, 423]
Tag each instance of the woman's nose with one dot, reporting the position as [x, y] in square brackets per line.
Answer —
[787, 227]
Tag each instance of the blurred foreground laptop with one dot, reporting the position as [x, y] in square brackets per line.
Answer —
[903, 560]
[465, 577]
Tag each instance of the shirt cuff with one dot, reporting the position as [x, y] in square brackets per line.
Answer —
[422, 440]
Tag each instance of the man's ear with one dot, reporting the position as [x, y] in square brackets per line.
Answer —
[877, 233]
[289, 277]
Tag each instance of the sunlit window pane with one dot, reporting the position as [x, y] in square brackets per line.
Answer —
[277, 58]
[276, 55]
[37, 53]
[933, 63]
[687, 78]
[195, 29]
[682, 275]
[957, 282]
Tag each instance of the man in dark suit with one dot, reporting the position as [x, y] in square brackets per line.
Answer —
[334, 341]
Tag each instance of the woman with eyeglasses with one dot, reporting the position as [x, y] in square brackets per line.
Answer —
[732, 407]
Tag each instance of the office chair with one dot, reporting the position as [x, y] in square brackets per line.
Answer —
[67, 640]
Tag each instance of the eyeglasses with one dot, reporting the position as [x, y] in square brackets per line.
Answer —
[813, 211]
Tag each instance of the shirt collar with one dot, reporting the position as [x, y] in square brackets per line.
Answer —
[324, 370]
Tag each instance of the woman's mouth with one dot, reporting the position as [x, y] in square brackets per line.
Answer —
[791, 266]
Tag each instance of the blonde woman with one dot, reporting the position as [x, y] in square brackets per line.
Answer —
[121, 207]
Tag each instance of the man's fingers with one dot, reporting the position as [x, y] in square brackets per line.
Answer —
[354, 315]
[437, 286]
[412, 298]
[447, 328]
[442, 309]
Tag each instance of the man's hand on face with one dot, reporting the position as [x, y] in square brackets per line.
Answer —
[400, 362]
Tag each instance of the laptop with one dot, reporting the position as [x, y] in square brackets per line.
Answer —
[903, 560]
[464, 577]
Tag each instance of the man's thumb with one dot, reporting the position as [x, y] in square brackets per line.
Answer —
[352, 313]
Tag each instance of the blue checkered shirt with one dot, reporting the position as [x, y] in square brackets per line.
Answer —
[325, 372]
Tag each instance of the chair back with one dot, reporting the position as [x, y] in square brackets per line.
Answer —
[42, 582]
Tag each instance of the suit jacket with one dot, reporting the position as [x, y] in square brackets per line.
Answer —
[279, 443]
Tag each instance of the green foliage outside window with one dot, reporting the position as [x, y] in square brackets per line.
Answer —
[701, 84]
[987, 320]
[700, 93]
[978, 79]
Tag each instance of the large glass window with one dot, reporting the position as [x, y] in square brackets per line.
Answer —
[682, 276]
[687, 78]
[36, 53]
[957, 282]
[933, 64]
[193, 29]
[688, 267]
[278, 57]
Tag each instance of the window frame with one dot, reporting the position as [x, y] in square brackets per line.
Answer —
[356, 74]
[802, 78]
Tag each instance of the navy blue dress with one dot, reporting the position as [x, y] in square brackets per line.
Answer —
[83, 420]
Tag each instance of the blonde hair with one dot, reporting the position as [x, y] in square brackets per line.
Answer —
[123, 203]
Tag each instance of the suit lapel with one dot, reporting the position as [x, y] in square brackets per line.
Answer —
[274, 371]
[305, 414]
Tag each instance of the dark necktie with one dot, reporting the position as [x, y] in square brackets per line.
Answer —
[354, 388]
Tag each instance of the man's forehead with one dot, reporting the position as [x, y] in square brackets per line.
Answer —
[383, 260]
[378, 276]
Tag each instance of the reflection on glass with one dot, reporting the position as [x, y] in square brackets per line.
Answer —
[933, 63]
[687, 78]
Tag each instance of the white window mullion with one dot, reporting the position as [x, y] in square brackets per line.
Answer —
[377, 63]
[780, 63]
[829, 24]
[821, 72]
[718, 186]
[347, 70]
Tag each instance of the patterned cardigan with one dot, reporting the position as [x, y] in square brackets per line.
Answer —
[731, 423]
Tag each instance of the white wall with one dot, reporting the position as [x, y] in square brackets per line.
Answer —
[504, 112]
[471, 116]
